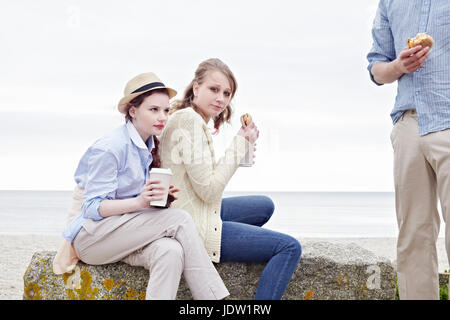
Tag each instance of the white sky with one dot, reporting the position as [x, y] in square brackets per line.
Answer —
[300, 66]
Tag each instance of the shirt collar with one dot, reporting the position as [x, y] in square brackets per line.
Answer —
[137, 140]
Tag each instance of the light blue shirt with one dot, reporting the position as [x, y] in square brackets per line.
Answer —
[428, 89]
[116, 166]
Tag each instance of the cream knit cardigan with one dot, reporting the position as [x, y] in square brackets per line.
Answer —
[187, 149]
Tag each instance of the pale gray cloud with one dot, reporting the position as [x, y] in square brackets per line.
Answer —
[301, 70]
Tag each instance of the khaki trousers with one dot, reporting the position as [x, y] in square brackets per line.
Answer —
[421, 175]
[164, 241]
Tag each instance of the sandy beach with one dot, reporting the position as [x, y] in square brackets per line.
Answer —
[17, 250]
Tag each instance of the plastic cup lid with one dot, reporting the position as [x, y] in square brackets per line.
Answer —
[161, 170]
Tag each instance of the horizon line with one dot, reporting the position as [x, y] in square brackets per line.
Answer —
[239, 191]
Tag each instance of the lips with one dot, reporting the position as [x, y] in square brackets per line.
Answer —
[159, 126]
[217, 107]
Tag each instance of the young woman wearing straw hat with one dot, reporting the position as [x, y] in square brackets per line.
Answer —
[111, 218]
[231, 227]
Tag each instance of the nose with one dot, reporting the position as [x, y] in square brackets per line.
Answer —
[220, 97]
[162, 116]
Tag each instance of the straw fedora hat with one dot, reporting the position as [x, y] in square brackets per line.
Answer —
[140, 84]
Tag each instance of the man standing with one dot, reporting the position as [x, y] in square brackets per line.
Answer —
[421, 135]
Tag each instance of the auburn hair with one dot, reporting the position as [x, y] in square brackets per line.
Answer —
[136, 102]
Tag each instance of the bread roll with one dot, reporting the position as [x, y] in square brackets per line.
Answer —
[246, 119]
[423, 39]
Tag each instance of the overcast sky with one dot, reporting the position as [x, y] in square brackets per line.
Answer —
[300, 67]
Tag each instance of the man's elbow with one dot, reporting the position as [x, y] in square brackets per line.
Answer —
[375, 74]
[378, 81]
[384, 73]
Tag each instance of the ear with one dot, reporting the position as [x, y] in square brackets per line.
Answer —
[132, 111]
[195, 86]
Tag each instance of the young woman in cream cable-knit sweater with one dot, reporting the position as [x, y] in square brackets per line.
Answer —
[230, 227]
[114, 221]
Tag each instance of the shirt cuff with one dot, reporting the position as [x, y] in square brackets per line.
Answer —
[90, 208]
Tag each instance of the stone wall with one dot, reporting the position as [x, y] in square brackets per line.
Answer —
[326, 271]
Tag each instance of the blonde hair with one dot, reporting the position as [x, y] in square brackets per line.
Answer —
[200, 73]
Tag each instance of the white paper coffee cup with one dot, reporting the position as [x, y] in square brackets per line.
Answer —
[164, 176]
[247, 161]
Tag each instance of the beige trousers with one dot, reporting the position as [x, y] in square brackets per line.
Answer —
[164, 241]
[421, 176]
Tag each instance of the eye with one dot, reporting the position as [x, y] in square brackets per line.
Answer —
[213, 89]
[227, 93]
[154, 109]
[166, 110]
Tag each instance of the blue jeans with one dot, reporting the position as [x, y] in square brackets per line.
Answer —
[243, 240]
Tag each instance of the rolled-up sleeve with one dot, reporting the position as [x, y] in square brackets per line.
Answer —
[101, 182]
[383, 48]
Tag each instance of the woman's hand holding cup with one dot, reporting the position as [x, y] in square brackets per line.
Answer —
[152, 191]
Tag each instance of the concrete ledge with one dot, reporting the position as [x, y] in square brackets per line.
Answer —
[326, 271]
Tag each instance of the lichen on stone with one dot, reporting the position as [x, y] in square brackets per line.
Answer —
[85, 292]
[32, 291]
[131, 294]
[108, 283]
[309, 294]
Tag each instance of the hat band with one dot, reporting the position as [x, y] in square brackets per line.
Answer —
[149, 86]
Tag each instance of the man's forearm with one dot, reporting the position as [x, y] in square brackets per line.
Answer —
[408, 61]
[386, 72]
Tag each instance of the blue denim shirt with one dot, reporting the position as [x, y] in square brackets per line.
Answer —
[115, 167]
[428, 89]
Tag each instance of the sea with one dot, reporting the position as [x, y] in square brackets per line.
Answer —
[300, 214]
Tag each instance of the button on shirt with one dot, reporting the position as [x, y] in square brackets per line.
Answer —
[115, 167]
[428, 89]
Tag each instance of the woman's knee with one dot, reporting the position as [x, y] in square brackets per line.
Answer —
[180, 224]
[267, 206]
[294, 247]
[168, 250]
